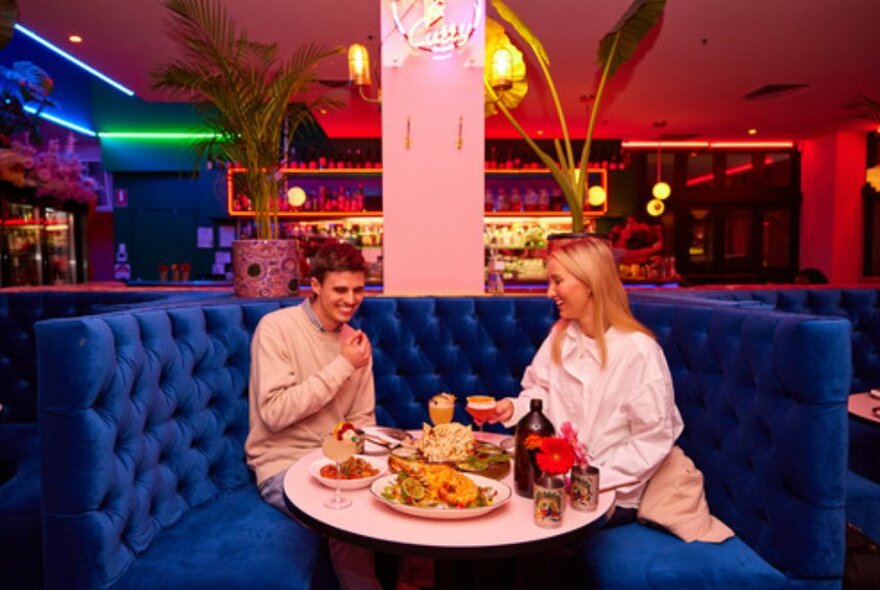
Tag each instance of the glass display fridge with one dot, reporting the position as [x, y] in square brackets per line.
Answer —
[40, 244]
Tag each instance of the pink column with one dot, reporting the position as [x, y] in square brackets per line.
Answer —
[432, 154]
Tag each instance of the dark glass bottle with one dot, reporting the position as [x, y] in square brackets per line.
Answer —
[525, 467]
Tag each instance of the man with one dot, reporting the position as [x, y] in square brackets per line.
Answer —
[309, 371]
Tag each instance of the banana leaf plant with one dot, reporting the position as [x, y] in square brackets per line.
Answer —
[245, 93]
[615, 49]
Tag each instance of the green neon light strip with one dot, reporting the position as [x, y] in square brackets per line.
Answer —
[156, 135]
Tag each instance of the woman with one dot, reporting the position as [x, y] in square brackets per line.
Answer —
[603, 371]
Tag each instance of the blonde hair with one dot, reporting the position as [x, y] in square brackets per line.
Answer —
[590, 261]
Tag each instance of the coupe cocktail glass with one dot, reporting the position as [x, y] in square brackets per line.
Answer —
[338, 451]
[481, 408]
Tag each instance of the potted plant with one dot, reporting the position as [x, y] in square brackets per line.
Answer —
[253, 101]
[615, 49]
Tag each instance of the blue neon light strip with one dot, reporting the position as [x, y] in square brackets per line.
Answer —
[62, 122]
[74, 60]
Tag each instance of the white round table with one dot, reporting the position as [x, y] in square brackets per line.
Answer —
[506, 531]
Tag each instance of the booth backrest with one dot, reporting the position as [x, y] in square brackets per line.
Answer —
[763, 398]
[860, 306]
[20, 310]
[464, 345]
[143, 413]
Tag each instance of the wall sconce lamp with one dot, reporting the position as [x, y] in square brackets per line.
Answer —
[501, 74]
[359, 71]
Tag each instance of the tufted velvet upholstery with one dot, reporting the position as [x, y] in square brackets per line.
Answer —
[861, 307]
[143, 415]
[425, 345]
[20, 563]
[762, 395]
[19, 311]
[19, 437]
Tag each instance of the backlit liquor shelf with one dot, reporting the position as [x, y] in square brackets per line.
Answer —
[345, 192]
[521, 206]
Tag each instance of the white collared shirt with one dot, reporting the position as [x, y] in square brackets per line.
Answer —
[625, 413]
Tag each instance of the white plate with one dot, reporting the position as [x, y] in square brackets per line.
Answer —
[379, 463]
[502, 495]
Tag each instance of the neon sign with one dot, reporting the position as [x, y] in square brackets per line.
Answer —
[427, 28]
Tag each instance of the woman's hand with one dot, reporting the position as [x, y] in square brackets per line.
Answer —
[502, 412]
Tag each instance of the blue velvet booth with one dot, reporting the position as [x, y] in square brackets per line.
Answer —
[143, 415]
[861, 308]
[20, 563]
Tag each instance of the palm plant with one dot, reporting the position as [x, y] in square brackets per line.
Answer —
[245, 93]
[615, 49]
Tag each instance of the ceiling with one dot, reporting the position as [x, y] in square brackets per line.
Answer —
[689, 79]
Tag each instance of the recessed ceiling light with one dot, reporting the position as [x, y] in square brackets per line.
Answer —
[752, 131]
[75, 39]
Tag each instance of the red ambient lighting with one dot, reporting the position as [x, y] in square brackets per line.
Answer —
[730, 172]
[712, 145]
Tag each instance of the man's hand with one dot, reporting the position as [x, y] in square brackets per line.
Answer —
[357, 350]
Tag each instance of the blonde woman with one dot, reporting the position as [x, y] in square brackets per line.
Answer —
[603, 371]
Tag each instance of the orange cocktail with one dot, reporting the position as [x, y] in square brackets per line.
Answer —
[441, 408]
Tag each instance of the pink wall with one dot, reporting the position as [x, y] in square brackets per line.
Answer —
[432, 189]
[832, 175]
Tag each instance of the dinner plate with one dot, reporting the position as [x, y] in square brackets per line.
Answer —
[379, 463]
[502, 495]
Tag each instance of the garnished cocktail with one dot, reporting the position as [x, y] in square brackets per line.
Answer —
[338, 447]
[441, 408]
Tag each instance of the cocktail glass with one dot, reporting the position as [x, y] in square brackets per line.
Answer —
[481, 408]
[441, 408]
[338, 451]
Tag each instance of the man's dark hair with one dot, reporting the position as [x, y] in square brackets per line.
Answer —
[337, 257]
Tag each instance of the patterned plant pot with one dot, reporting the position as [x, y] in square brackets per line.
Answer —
[265, 268]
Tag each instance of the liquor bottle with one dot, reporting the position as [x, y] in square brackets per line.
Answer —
[524, 464]
[495, 278]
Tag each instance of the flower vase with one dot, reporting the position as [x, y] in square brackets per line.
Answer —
[584, 488]
[549, 499]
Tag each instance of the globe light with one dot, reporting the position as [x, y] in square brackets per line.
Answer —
[655, 207]
[661, 190]
[296, 196]
[596, 196]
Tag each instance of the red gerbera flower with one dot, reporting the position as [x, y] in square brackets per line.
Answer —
[555, 456]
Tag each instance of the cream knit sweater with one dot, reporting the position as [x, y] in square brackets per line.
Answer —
[300, 387]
